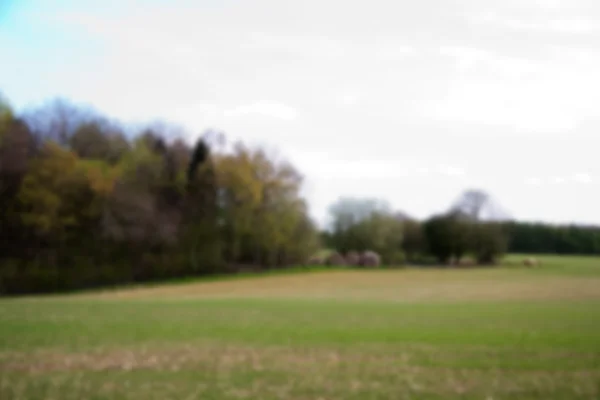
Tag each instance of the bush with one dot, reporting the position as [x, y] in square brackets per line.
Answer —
[370, 259]
[353, 258]
[316, 261]
[336, 259]
[395, 259]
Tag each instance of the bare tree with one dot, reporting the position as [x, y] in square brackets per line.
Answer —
[478, 205]
[57, 120]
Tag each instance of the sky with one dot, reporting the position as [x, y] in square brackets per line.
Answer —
[408, 101]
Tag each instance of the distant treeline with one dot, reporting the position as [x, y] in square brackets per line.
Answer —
[468, 230]
[86, 201]
[553, 239]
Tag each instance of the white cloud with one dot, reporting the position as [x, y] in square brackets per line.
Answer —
[263, 108]
[536, 23]
[582, 178]
[579, 178]
[391, 94]
[450, 170]
[295, 45]
[322, 165]
[549, 94]
[558, 97]
[569, 26]
[349, 99]
[393, 52]
[466, 57]
[533, 181]
[469, 58]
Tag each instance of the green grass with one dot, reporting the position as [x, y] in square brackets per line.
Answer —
[494, 333]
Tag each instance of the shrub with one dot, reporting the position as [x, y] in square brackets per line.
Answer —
[336, 259]
[316, 261]
[370, 259]
[395, 259]
[353, 258]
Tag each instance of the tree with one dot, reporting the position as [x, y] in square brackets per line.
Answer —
[82, 205]
[383, 233]
[348, 211]
[262, 211]
[6, 114]
[16, 152]
[132, 211]
[16, 148]
[480, 230]
[99, 141]
[201, 236]
[58, 202]
[478, 205]
[57, 120]
[347, 222]
[414, 242]
[367, 224]
[448, 236]
[461, 226]
[438, 231]
[489, 242]
[89, 141]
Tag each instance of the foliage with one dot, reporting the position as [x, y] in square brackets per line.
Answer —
[83, 206]
[6, 116]
[365, 224]
[265, 220]
[489, 242]
[439, 233]
[546, 238]
[414, 242]
[55, 194]
[85, 201]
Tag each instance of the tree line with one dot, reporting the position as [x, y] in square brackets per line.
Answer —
[557, 239]
[473, 230]
[445, 238]
[87, 201]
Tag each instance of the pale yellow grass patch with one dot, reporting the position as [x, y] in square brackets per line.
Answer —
[395, 285]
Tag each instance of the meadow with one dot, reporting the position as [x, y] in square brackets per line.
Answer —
[505, 332]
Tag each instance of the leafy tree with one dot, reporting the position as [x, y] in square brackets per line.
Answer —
[97, 140]
[262, 209]
[6, 114]
[89, 141]
[57, 200]
[367, 224]
[489, 242]
[448, 236]
[131, 213]
[414, 242]
[527, 237]
[16, 151]
[476, 228]
[201, 234]
[439, 233]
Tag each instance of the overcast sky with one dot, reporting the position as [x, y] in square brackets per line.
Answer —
[410, 101]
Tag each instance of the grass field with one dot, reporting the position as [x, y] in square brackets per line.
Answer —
[495, 333]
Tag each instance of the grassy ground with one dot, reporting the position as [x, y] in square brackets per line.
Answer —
[501, 333]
